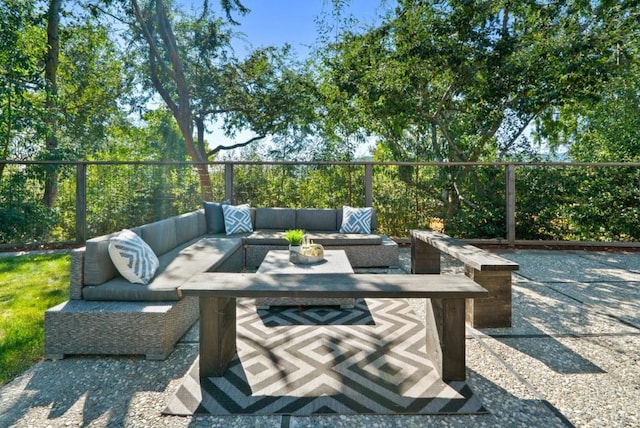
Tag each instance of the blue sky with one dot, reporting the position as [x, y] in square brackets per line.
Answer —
[276, 22]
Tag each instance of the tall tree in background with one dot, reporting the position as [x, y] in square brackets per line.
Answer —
[21, 51]
[462, 81]
[165, 64]
[51, 62]
[189, 66]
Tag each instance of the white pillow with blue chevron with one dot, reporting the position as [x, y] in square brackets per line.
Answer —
[356, 220]
[237, 218]
[134, 258]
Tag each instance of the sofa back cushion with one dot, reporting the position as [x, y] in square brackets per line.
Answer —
[316, 219]
[98, 267]
[275, 218]
[188, 226]
[160, 235]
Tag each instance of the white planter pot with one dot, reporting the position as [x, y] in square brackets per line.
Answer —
[294, 252]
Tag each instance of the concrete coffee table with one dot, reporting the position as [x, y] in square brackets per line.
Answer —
[277, 261]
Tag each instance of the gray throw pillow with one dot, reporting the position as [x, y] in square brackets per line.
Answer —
[214, 217]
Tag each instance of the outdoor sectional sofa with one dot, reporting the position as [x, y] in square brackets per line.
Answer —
[106, 314]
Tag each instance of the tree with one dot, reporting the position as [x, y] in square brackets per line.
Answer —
[605, 131]
[52, 59]
[21, 51]
[462, 81]
[188, 63]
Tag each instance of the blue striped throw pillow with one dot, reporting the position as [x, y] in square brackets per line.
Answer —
[134, 258]
[237, 218]
[356, 220]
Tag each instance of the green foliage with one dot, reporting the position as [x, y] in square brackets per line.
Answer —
[605, 131]
[588, 204]
[29, 285]
[125, 196]
[435, 81]
[91, 85]
[23, 217]
[601, 211]
[308, 186]
[294, 236]
[461, 81]
[21, 51]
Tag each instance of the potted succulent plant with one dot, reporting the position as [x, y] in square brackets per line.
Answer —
[294, 237]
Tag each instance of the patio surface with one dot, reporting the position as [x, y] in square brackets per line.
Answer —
[572, 358]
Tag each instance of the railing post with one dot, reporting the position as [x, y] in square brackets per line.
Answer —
[228, 182]
[511, 204]
[368, 185]
[81, 203]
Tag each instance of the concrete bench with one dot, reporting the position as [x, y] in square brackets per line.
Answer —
[489, 270]
[445, 323]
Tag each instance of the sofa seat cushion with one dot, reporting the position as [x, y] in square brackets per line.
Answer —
[276, 237]
[341, 239]
[176, 266]
[266, 237]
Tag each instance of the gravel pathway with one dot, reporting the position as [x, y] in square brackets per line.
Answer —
[572, 358]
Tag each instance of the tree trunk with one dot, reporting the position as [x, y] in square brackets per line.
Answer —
[178, 99]
[185, 124]
[7, 140]
[50, 76]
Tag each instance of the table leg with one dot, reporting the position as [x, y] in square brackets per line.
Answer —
[424, 257]
[446, 322]
[495, 309]
[217, 334]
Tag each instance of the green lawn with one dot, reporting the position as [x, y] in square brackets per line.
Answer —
[28, 286]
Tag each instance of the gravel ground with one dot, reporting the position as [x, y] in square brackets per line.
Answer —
[572, 358]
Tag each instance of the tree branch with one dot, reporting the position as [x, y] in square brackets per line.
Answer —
[235, 146]
[157, 83]
[223, 110]
[149, 38]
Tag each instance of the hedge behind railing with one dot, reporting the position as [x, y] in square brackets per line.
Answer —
[500, 202]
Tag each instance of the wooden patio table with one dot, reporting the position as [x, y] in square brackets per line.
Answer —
[445, 323]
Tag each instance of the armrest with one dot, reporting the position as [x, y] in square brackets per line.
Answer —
[77, 273]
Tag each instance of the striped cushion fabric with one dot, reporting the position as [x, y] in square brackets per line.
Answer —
[237, 218]
[133, 257]
[356, 220]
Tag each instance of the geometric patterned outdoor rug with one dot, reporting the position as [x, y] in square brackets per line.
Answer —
[325, 360]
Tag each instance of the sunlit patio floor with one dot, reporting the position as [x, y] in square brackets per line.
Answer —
[572, 357]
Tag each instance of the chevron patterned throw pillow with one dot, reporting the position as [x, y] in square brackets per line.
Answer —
[133, 257]
[237, 218]
[356, 220]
